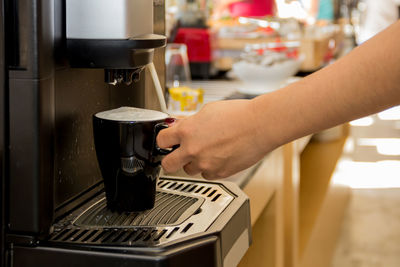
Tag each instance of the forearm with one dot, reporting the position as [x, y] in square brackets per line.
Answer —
[363, 82]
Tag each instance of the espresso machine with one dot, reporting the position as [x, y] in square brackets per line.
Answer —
[61, 61]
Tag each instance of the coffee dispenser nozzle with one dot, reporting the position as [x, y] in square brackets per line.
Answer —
[118, 76]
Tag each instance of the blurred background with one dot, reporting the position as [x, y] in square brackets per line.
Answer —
[336, 200]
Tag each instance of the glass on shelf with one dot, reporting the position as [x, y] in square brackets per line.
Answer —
[177, 65]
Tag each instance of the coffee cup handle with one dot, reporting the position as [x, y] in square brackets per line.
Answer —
[162, 151]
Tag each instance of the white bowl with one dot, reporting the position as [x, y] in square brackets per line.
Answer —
[259, 79]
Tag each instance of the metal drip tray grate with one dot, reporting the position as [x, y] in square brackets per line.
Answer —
[182, 208]
[169, 209]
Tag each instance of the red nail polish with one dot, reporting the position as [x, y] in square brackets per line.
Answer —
[170, 120]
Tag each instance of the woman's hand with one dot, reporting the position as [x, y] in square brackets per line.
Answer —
[218, 141]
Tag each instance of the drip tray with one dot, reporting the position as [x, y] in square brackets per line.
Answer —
[182, 208]
[169, 209]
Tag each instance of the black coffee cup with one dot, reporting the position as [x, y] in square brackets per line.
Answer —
[128, 156]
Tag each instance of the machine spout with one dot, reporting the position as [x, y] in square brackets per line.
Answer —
[117, 76]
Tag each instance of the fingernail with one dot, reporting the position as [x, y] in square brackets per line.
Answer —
[170, 121]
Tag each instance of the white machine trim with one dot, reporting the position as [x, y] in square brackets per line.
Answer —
[108, 19]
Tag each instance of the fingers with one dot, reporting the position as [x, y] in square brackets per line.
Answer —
[171, 121]
[174, 161]
[167, 138]
[191, 169]
[209, 175]
[213, 174]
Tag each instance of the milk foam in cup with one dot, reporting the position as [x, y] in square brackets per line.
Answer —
[131, 114]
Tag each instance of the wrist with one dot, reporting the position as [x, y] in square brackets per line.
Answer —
[263, 115]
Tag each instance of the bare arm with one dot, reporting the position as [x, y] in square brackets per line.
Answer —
[228, 136]
[364, 82]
